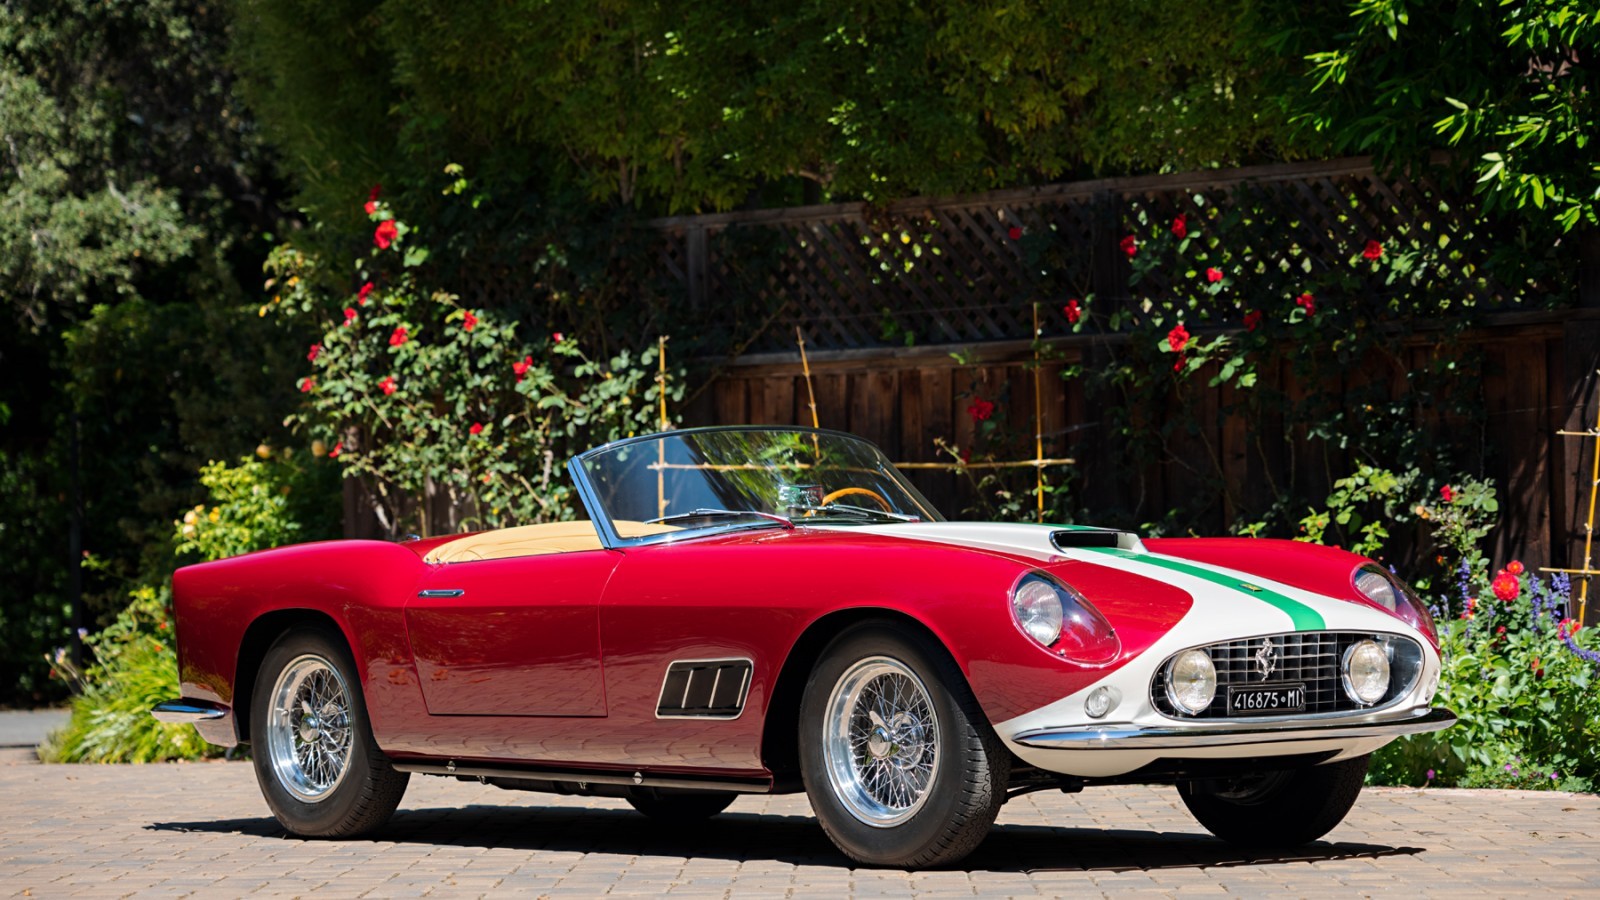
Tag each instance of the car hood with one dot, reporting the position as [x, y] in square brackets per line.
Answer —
[1225, 599]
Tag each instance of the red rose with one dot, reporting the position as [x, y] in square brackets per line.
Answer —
[1177, 364]
[399, 337]
[469, 321]
[476, 429]
[966, 455]
[1448, 494]
[376, 190]
[1505, 586]
[1073, 311]
[521, 368]
[385, 234]
[557, 336]
[334, 453]
[1014, 233]
[1252, 320]
[980, 409]
[1180, 226]
[362, 294]
[1130, 246]
[1213, 275]
[1178, 338]
[316, 351]
[387, 385]
[1373, 251]
[307, 385]
[371, 206]
[1514, 567]
[349, 314]
[1307, 303]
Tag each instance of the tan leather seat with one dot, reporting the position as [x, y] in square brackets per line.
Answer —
[534, 540]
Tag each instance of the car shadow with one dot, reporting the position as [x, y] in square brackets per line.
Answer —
[799, 840]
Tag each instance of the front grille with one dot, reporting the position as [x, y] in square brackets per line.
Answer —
[1308, 657]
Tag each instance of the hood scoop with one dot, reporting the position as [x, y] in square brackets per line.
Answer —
[1088, 538]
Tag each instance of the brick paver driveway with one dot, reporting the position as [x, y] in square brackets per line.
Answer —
[203, 829]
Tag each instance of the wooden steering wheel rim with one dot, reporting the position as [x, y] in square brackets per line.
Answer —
[858, 491]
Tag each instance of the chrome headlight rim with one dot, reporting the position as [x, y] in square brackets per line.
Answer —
[1171, 685]
[1347, 679]
[1037, 609]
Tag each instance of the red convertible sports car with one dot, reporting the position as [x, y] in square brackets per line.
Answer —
[763, 610]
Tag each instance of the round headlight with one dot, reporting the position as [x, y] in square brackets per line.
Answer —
[1191, 681]
[1375, 586]
[1037, 608]
[1366, 672]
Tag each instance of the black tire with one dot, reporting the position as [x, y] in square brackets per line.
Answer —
[679, 806]
[1277, 809]
[966, 774]
[366, 790]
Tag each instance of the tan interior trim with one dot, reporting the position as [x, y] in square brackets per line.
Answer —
[534, 540]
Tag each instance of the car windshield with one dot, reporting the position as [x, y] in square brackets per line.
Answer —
[657, 486]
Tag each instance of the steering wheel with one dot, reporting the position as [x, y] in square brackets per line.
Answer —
[855, 492]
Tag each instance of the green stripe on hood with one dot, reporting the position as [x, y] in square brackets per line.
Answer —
[1304, 617]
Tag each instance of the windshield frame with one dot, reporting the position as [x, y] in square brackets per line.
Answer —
[611, 540]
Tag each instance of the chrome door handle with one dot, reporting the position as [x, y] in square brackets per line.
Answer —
[440, 592]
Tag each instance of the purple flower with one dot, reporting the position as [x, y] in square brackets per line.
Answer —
[1430, 774]
[1508, 767]
[1590, 656]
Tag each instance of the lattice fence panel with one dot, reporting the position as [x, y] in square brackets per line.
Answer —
[965, 270]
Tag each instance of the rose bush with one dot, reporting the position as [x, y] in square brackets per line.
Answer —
[419, 394]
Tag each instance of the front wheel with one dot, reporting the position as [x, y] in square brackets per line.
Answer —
[319, 769]
[900, 765]
[1277, 809]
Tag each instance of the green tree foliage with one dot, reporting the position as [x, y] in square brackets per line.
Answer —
[135, 199]
[678, 106]
[1509, 85]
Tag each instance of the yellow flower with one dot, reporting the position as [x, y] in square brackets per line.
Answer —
[189, 518]
[216, 515]
[318, 448]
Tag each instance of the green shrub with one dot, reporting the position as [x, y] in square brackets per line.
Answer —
[275, 499]
[135, 669]
[270, 501]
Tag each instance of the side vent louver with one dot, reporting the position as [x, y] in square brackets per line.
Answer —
[704, 688]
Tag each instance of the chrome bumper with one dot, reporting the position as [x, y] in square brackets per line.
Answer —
[1111, 737]
[185, 712]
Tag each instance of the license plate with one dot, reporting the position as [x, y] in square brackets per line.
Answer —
[1266, 700]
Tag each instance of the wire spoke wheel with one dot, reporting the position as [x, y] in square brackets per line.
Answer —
[309, 732]
[881, 741]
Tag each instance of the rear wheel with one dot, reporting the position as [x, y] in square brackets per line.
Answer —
[678, 806]
[318, 766]
[1277, 809]
[900, 765]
